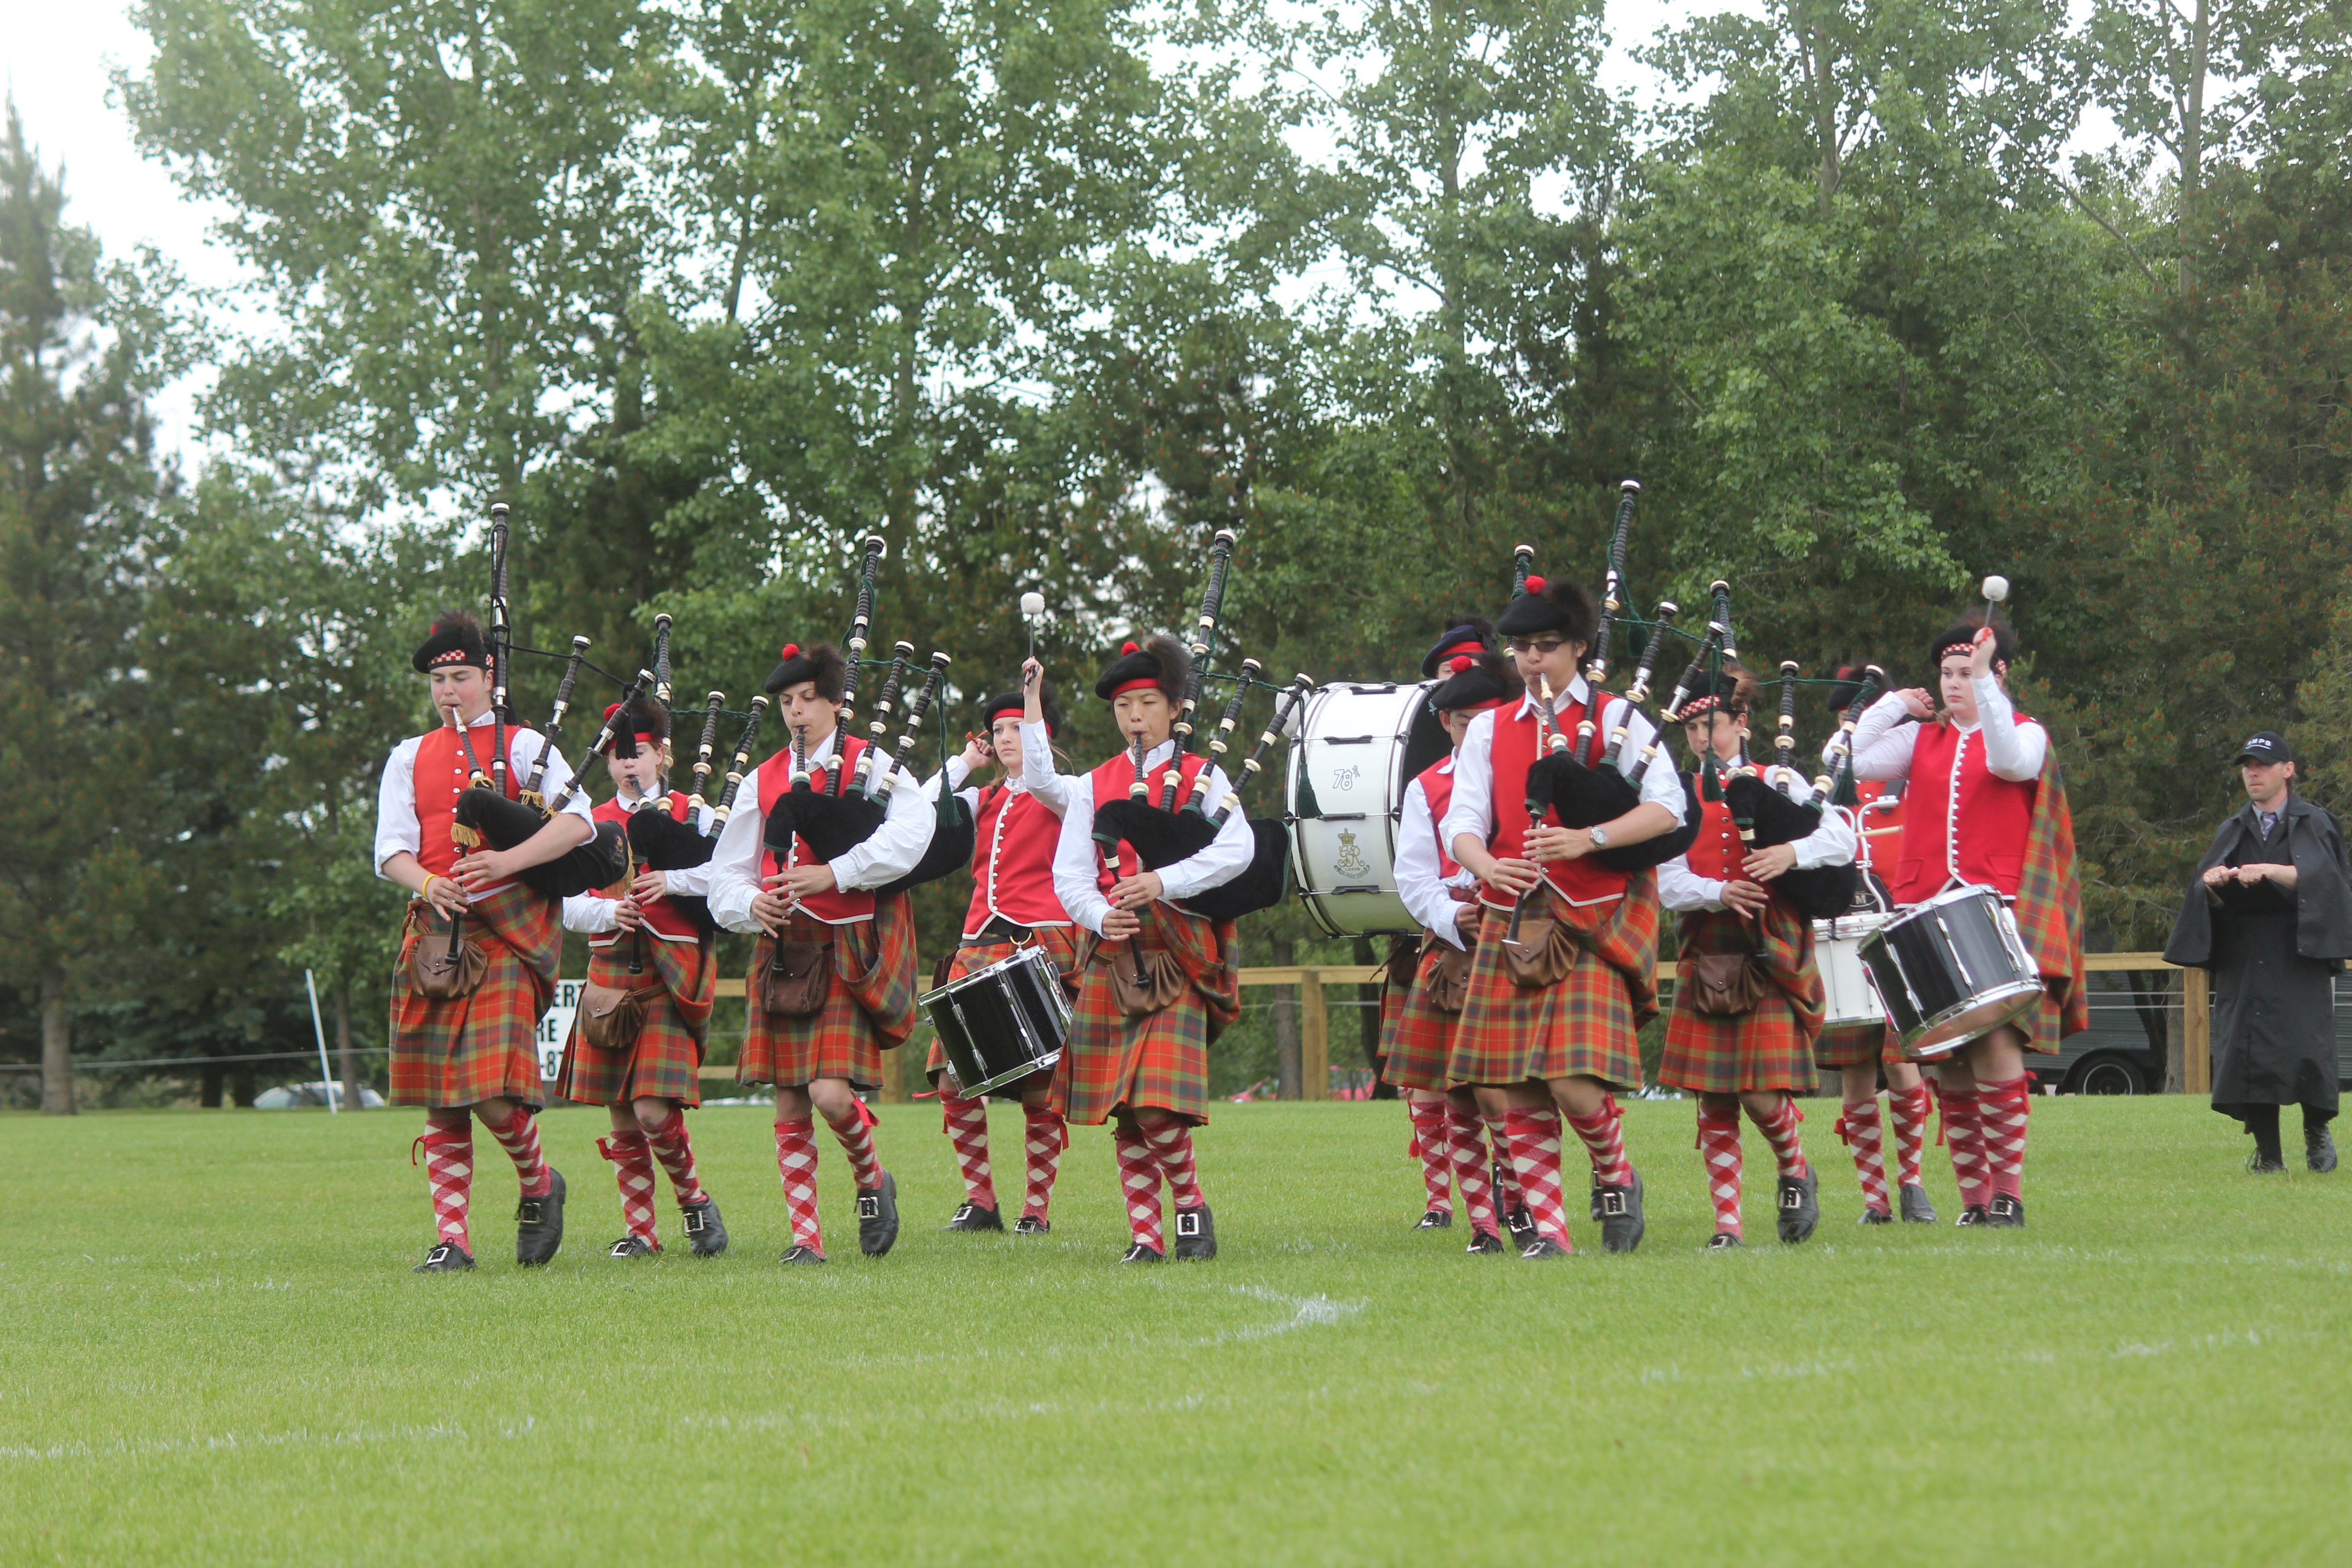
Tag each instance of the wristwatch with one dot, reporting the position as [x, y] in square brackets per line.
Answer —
[1600, 837]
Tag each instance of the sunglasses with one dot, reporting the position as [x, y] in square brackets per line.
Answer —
[1543, 645]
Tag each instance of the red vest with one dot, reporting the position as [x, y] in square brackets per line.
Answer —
[1878, 813]
[441, 772]
[1013, 865]
[1963, 822]
[1113, 780]
[835, 908]
[662, 917]
[1579, 881]
[1436, 782]
[1716, 853]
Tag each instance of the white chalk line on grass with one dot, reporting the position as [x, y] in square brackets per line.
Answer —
[1302, 1312]
[235, 1442]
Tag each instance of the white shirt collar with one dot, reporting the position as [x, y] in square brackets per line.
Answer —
[1573, 692]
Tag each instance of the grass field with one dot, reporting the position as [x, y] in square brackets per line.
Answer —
[213, 1351]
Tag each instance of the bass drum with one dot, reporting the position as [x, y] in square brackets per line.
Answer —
[1359, 743]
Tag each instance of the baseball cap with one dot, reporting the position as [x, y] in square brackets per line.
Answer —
[2266, 746]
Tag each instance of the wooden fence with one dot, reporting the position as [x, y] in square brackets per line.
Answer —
[1315, 1014]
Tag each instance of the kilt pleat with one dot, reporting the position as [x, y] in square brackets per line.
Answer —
[1160, 1061]
[1768, 1046]
[1587, 1025]
[869, 1004]
[665, 1062]
[1060, 941]
[476, 1047]
[1842, 1045]
[1421, 1039]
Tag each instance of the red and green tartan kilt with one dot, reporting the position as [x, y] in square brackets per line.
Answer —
[666, 1060]
[869, 1004]
[1586, 1025]
[476, 1047]
[1060, 941]
[1769, 1047]
[1842, 1045]
[1160, 1061]
[1422, 1041]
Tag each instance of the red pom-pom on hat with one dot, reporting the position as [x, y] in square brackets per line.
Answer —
[615, 707]
[791, 650]
[1460, 663]
[1129, 648]
[1535, 584]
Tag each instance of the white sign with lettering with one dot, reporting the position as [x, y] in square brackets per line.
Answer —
[556, 1028]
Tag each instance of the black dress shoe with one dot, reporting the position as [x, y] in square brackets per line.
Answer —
[1542, 1249]
[706, 1233]
[1620, 1215]
[1876, 1217]
[1196, 1233]
[2318, 1150]
[1520, 1223]
[973, 1217]
[538, 1223]
[796, 1253]
[632, 1247]
[1485, 1242]
[1436, 1219]
[1030, 1224]
[2005, 1213]
[2262, 1164]
[1801, 1206]
[877, 1217]
[1139, 1253]
[1724, 1241]
[1917, 1209]
[449, 1258]
[1974, 1213]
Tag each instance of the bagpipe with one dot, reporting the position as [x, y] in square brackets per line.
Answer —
[1182, 821]
[1767, 815]
[853, 803]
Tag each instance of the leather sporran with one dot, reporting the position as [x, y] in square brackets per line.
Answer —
[1545, 953]
[1162, 983]
[1726, 985]
[795, 980]
[1445, 979]
[611, 1015]
[438, 974]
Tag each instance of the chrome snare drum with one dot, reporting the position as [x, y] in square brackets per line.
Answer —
[999, 1024]
[1950, 971]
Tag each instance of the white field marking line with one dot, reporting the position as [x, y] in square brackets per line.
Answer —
[230, 1442]
[1304, 1313]
[1315, 1311]
[1878, 1365]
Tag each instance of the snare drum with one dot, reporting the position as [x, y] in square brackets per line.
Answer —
[1837, 952]
[1359, 744]
[999, 1024]
[1950, 971]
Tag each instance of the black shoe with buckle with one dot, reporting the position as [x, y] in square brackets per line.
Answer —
[1520, 1224]
[1139, 1253]
[632, 1246]
[1621, 1215]
[1724, 1241]
[1436, 1219]
[2005, 1213]
[1917, 1209]
[973, 1217]
[706, 1233]
[1974, 1213]
[1542, 1249]
[1196, 1233]
[878, 1217]
[1030, 1224]
[797, 1253]
[1801, 1206]
[538, 1223]
[447, 1257]
[1484, 1244]
[2318, 1150]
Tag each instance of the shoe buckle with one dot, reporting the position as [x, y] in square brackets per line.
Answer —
[1792, 1197]
[1188, 1224]
[963, 1213]
[697, 1220]
[438, 1255]
[1521, 1223]
[528, 1211]
[870, 1205]
[1612, 1205]
[2003, 1206]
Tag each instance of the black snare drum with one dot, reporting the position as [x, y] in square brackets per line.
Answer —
[1950, 971]
[999, 1024]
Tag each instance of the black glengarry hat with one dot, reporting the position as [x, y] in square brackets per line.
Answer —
[455, 641]
[1551, 605]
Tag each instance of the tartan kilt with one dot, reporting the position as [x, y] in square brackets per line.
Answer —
[1857, 1046]
[665, 1062]
[1422, 1039]
[1769, 1047]
[869, 1004]
[1060, 941]
[472, 1048]
[1587, 1025]
[1160, 1061]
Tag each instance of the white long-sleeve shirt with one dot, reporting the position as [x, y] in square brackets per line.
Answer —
[2014, 748]
[594, 915]
[1420, 874]
[1472, 809]
[1076, 856]
[396, 828]
[1832, 844]
[1038, 777]
[894, 849]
